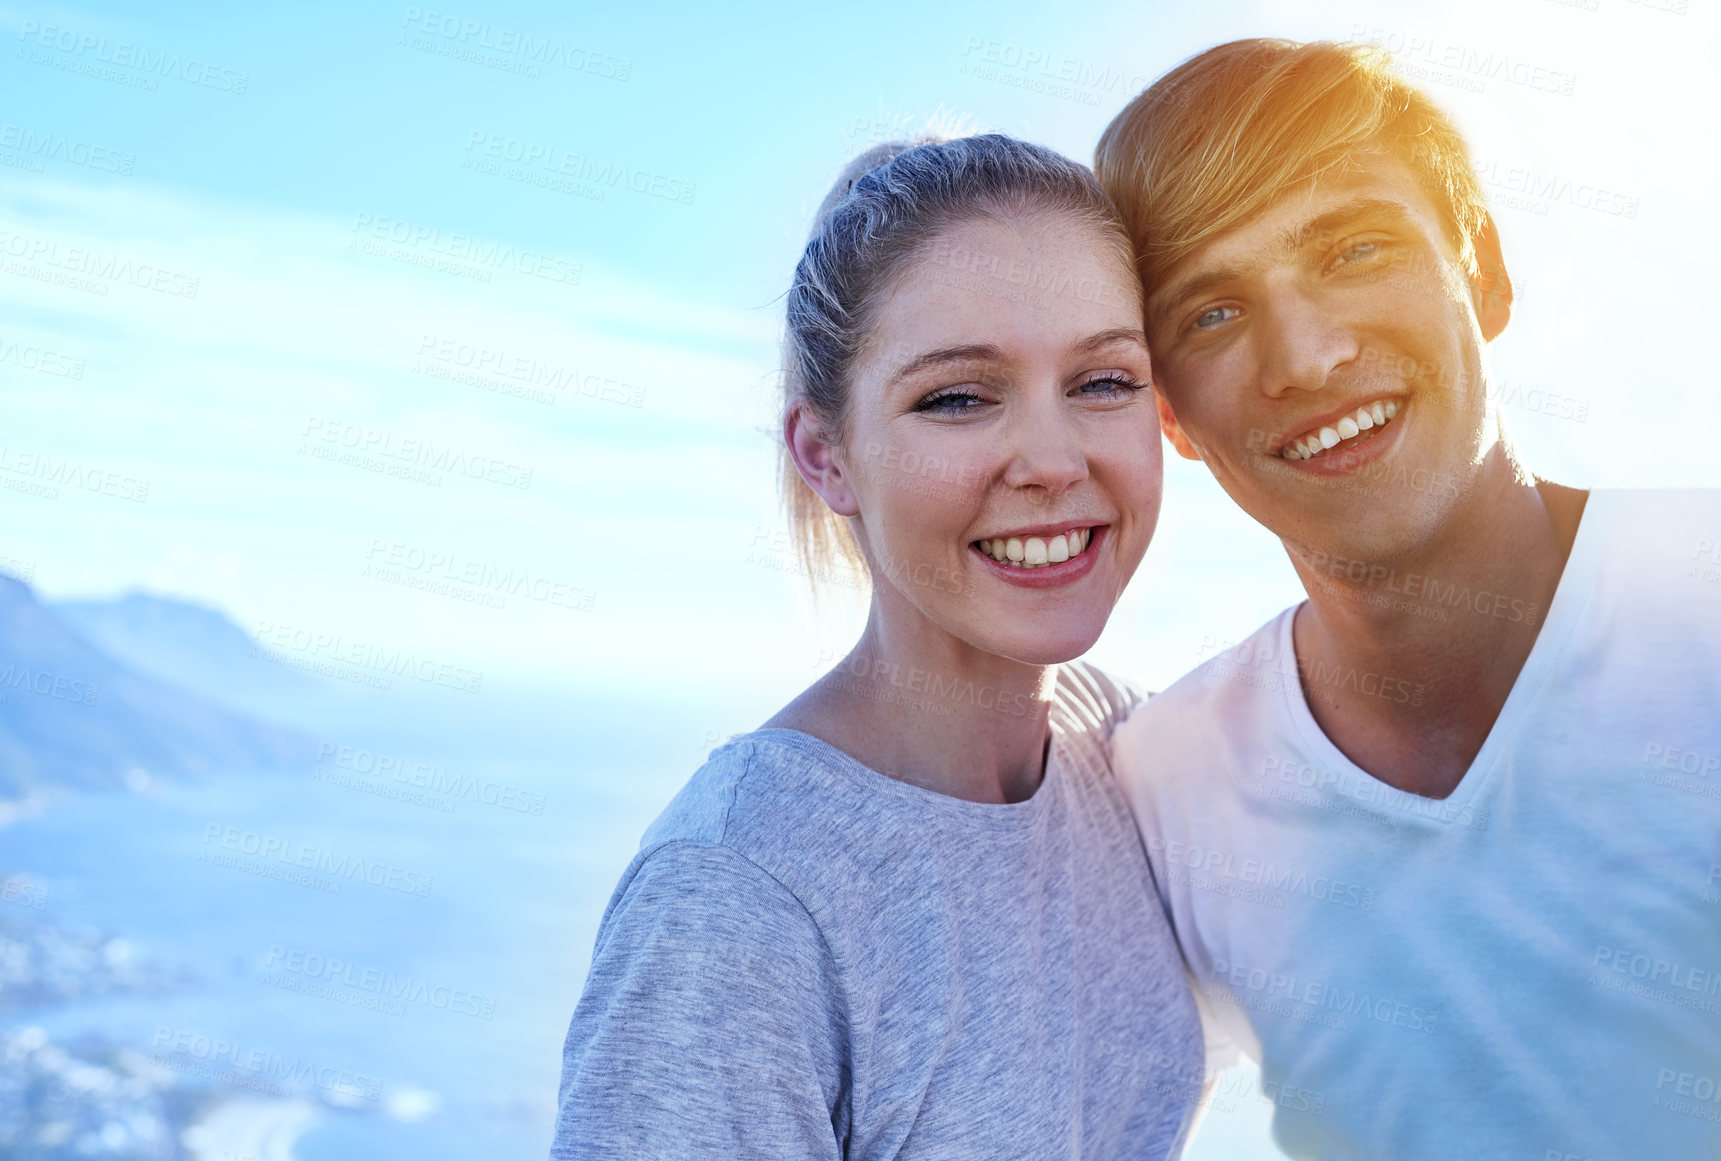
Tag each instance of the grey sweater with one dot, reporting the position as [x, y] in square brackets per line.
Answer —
[808, 959]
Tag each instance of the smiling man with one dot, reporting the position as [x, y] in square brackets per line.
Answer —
[1442, 843]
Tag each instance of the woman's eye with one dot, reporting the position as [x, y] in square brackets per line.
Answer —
[949, 401]
[1212, 317]
[1110, 385]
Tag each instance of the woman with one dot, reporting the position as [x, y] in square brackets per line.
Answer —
[911, 917]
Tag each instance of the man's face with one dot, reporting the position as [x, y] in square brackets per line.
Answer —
[1325, 361]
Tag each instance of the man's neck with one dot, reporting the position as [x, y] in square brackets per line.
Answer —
[1407, 668]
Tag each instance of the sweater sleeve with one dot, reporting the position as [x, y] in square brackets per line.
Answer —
[710, 1025]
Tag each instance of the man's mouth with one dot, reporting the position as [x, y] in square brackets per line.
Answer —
[1036, 551]
[1313, 444]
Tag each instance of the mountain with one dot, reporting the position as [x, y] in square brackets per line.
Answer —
[72, 714]
[192, 646]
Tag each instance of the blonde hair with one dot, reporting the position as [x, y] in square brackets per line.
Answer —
[1224, 135]
[888, 204]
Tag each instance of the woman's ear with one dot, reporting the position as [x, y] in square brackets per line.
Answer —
[818, 458]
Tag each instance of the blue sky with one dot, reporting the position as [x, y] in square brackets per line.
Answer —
[358, 238]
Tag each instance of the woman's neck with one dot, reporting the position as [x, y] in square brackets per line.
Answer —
[918, 704]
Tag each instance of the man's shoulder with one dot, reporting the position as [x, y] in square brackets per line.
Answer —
[1653, 511]
[1214, 684]
[1215, 707]
[1652, 546]
[1709, 498]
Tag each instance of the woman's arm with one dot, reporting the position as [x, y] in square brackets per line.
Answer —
[710, 1024]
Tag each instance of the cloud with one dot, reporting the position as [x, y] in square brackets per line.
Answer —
[230, 352]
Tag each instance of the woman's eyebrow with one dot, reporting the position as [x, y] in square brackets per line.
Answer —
[978, 351]
[1106, 338]
[947, 355]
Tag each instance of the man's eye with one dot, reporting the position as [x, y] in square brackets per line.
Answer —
[1208, 319]
[1361, 252]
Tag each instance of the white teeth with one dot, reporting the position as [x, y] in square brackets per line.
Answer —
[1035, 551]
[1367, 418]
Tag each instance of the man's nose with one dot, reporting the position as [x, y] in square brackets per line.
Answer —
[1299, 343]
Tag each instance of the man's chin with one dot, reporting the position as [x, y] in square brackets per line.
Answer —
[1376, 524]
[1363, 547]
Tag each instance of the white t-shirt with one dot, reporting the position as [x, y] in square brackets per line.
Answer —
[1528, 969]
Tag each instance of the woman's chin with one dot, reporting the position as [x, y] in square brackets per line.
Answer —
[1047, 646]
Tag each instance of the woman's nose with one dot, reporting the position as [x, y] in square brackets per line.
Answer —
[1046, 452]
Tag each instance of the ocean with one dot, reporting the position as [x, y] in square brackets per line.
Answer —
[373, 956]
[404, 956]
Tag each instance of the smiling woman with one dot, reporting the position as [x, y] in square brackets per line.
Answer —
[911, 916]
[997, 336]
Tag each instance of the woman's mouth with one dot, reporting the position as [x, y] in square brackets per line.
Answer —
[1030, 552]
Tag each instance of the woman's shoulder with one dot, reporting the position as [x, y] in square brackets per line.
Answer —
[777, 797]
[1089, 701]
[701, 856]
[742, 776]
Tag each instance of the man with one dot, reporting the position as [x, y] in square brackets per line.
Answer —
[1442, 844]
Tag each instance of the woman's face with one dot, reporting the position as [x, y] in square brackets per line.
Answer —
[1002, 449]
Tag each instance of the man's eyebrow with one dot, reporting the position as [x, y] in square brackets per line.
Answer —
[1341, 216]
[947, 355]
[1188, 288]
[1290, 242]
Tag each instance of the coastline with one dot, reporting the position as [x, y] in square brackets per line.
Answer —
[250, 1129]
